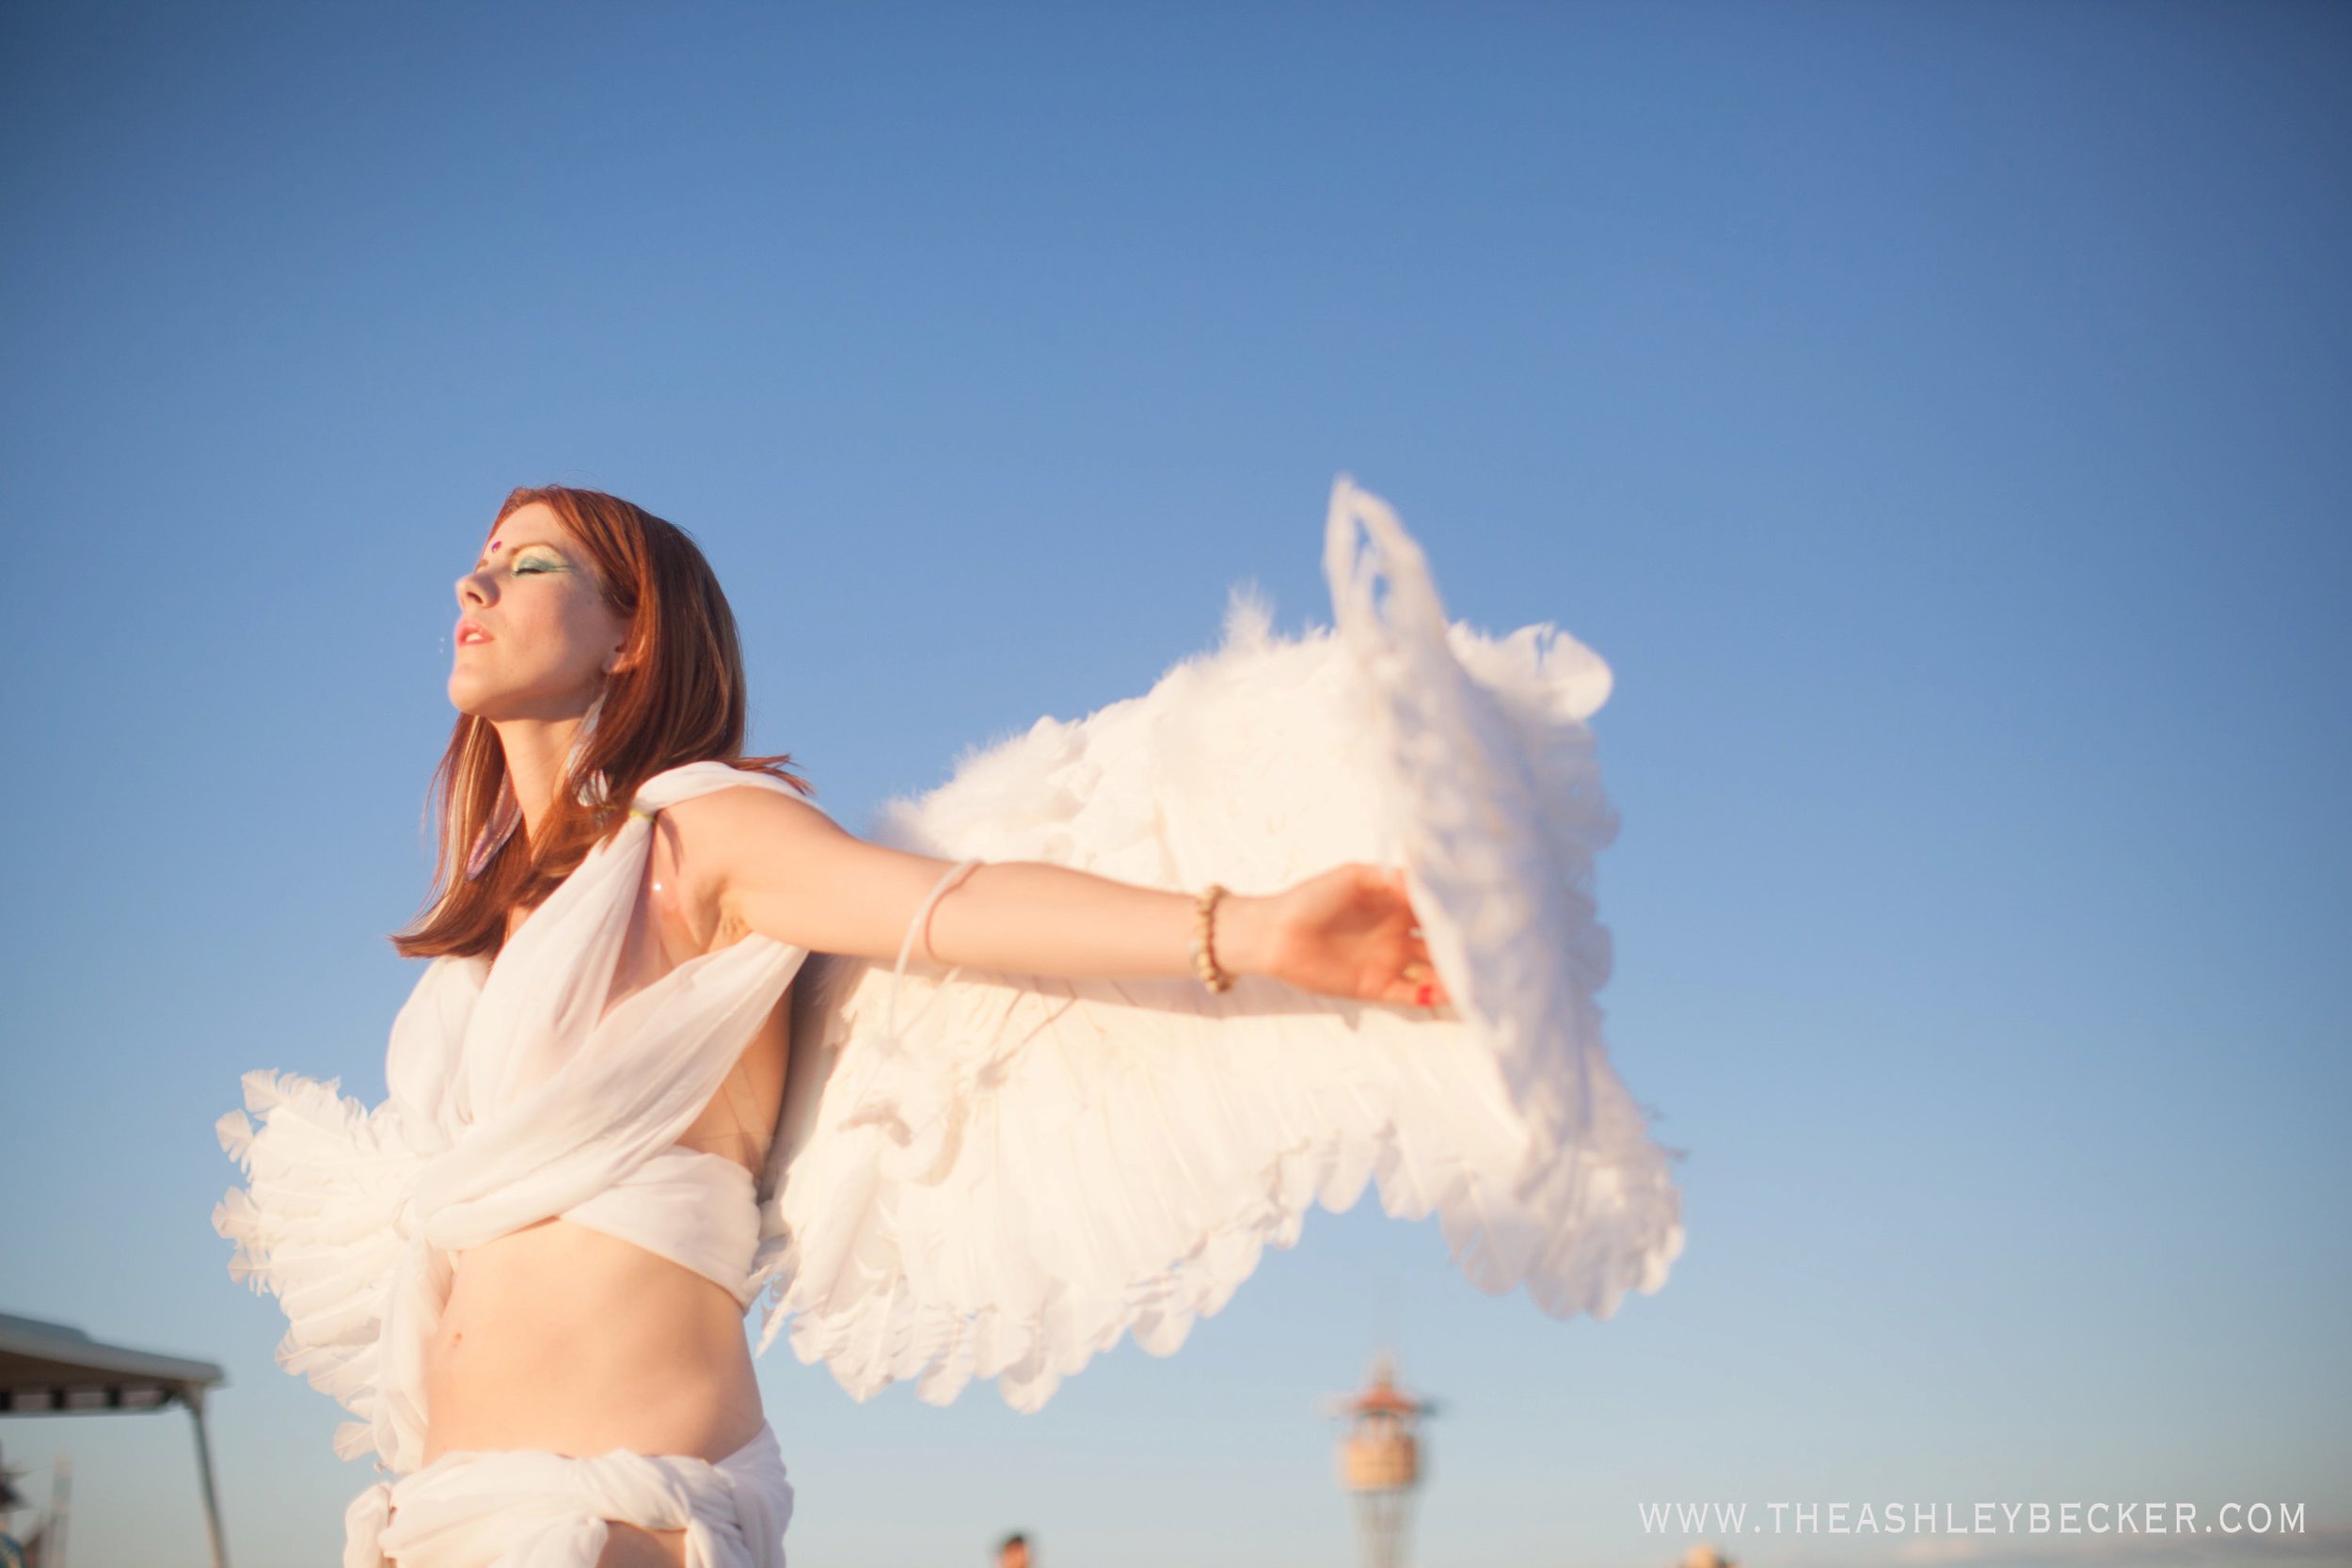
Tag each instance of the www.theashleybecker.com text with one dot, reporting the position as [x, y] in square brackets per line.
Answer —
[2070, 1518]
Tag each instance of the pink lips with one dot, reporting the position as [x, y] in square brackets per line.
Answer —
[470, 632]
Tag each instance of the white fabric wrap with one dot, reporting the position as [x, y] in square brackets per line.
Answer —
[530, 1509]
[513, 1097]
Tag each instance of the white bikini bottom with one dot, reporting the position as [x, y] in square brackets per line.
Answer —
[527, 1508]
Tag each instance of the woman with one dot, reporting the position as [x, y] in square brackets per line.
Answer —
[604, 836]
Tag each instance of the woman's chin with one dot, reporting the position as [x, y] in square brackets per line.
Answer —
[467, 697]
[495, 703]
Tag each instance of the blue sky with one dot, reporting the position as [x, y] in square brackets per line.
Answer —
[1934, 413]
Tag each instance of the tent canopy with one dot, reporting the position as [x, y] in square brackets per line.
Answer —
[53, 1369]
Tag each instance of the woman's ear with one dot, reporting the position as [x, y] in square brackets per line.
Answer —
[621, 658]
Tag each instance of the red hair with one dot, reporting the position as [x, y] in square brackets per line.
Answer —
[678, 698]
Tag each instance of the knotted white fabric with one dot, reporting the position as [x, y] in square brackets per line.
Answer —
[516, 1095]
[528, 1509]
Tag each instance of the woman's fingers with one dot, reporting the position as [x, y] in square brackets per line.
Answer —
[1418, 964]
[1419, 985]
[1417, 993]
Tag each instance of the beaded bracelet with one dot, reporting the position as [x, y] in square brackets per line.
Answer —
[1205, 940]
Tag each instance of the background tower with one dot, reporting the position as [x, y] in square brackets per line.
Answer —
[1380, 1460]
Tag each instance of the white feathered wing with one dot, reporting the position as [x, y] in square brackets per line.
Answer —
[1032, 1166]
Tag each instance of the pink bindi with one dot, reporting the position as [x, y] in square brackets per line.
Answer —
[494, 545]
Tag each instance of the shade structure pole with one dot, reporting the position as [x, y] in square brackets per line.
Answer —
[204, 1473]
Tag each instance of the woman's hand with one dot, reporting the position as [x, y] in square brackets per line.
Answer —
[1347, 933]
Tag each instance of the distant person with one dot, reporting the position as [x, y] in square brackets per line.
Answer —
[1013, 1551]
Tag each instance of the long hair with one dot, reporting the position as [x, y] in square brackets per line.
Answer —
[678, 698]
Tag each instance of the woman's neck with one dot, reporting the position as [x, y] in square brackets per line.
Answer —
[536, 750]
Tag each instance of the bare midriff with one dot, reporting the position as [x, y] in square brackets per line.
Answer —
[560, 1338]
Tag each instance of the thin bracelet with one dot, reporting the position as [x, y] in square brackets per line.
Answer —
[1205, 940]
[950, 878]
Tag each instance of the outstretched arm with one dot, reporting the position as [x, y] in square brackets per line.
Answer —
[785, 869]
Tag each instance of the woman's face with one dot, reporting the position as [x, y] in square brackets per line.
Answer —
[534, 638]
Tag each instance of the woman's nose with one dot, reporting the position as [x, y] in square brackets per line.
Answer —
[471, 591]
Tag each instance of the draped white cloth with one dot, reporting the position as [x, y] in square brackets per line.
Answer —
[515, 1097]
[528, 1509]
[1013, 1171]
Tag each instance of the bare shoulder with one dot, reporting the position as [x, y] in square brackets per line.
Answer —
[714, 826]
[757, 858]
[704, 846]
[717, 840]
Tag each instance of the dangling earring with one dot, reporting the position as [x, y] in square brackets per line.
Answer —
[504, 819]
[592, 790]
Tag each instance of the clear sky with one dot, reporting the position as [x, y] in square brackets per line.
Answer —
[1935, 415]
